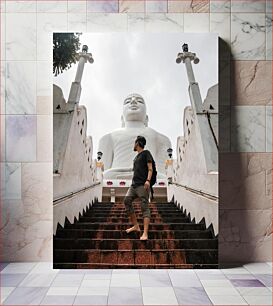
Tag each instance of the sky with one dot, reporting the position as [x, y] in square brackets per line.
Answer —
[141, 63]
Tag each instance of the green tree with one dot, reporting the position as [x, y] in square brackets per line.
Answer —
[65, 47]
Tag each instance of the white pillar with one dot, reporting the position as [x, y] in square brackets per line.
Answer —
[75, 90]
[80, 68]
[189, 69]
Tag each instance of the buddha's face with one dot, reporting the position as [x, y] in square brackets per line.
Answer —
[134, 108]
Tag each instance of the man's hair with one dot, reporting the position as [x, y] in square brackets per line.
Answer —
[141, 141]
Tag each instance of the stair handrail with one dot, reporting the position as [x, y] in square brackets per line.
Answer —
[199, 192]
[73, 193]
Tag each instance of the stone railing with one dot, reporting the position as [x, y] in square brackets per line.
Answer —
[195, 188]
[74, 170]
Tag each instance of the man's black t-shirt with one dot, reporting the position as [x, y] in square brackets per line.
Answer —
[141, 168]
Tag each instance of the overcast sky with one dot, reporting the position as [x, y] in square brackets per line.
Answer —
[141, 63]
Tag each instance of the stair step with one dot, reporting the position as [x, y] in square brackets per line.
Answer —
[122, 209]
[64, 265]
[135, 204]
[151, 257]
[124, 226]
[98, 240]
[140, 220]
[138, 215]
[134, 244]
[104, 234]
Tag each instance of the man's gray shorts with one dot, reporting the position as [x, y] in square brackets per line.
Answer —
[138, 192]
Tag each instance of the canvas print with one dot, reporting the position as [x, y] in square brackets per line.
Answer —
[135, 172]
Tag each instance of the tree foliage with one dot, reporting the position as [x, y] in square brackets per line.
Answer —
[65, 47]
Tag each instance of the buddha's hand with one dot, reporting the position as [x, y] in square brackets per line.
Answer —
[147, 185]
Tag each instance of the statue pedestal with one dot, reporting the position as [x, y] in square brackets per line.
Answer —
[116, 189]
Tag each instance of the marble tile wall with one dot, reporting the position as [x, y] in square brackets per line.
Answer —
[245, 30]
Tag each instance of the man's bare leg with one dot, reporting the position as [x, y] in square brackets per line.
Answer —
[146, 227]
[135, 227]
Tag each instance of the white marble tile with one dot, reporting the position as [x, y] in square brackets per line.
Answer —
[219, 6]
[248, 129]
[268, 128]
[136, 22]
[38, 280]
[77, 22]
[45, 138]
[47, 23]
[20, 138]
[5, 292]
[62, 291]
[79, 6]
[249, 6]
[123, 280]
[248, 36]
[227, 300]
[239, 270]
[43, 268]
[85, 291]
[103, 6]
[20, 36]
[52, 6]
[268, 23]
[28, 225]
[206, 272]
[3, 138]
[269, 6]
[131, 6]
[216, 283]
[181, 273]
[106, 22]
[252, 83]
[3, 37]
[97, 276]
[221, 291]
[44, 78]
[258, 299]
[3, 86]
[3, 6]
[224, 128]
[58, 300]
[20, 87]
[156, 6]
[21, 6]
[188, 6]
[18, 267]
[68, 280]
[44, 105]
[253, 291]
[96, 283]
[161, 22]
[12, 181]
[159, 296]
[258, 268]
[198, 22]
[120, 272]
[26, 296]
[37, 191]
[220, 23]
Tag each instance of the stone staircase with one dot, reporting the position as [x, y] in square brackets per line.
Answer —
[98, 240]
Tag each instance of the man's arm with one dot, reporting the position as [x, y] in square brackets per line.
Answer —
[150, 170]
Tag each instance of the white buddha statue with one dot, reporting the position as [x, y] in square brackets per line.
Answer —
[117, 147]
